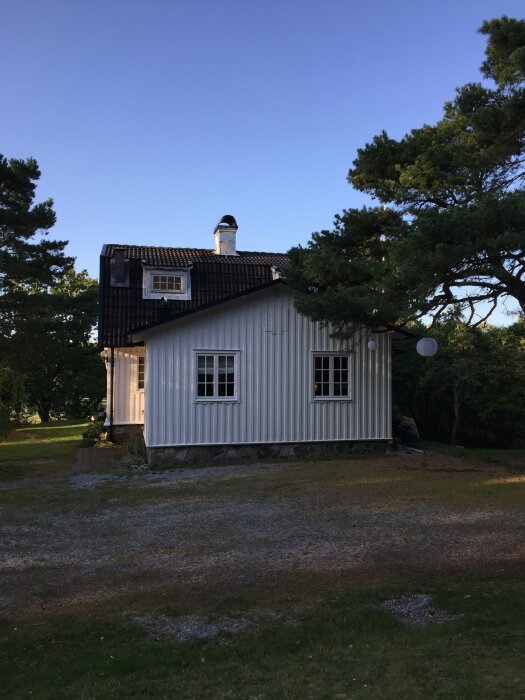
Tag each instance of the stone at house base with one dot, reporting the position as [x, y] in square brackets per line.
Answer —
[120, 432]
[166, 456]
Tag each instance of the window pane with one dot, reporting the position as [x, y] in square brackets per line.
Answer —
[205, 375]
[173, 283]
[226, 375]
[341, 375]
[321, 375]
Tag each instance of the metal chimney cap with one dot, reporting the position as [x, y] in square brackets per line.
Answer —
[227, 221]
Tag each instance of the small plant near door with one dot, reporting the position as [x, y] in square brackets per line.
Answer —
[134, 448]
[93, 435]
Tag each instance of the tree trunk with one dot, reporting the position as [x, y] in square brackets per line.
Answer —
[43, 412]
[457, 404]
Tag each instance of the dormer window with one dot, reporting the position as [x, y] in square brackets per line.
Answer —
[166, 284]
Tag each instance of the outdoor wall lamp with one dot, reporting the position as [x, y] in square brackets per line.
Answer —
[426, 347]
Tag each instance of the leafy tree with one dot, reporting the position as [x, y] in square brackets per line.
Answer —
[11, 389]
[64, 374]
[454, 231]
[472, 390]
[500, 408]
[11, 396]
[47, 311]
[455, 371]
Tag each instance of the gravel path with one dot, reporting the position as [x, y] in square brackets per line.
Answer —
[206, 544]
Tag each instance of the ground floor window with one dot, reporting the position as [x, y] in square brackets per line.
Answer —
[331, 377]
[216, 376]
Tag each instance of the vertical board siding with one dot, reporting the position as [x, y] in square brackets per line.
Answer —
[274, 379]
[129, 400]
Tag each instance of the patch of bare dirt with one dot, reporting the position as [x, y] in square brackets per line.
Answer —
[187, 628]
[417, 609]
[95, 459]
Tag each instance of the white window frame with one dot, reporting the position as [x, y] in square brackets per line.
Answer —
[216, 398]
[149, 292]
[331, 396]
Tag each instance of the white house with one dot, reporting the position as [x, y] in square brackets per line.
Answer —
[206, 352]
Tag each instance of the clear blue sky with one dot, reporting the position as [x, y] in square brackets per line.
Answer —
[151, 120]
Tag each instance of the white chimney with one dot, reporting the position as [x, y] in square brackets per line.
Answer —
[225, 236]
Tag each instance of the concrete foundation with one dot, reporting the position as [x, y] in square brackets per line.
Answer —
[166, 456]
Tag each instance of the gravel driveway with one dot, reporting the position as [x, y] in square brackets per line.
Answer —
[224, 532]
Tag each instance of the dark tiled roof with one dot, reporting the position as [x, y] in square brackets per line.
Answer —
[213, 277]
[173, 257]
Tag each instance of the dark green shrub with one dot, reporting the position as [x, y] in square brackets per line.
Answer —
[92, 435]
[4, 421]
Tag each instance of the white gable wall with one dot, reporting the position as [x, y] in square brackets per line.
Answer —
[274, 379]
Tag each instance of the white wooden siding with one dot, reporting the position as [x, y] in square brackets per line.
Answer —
[129, 400]
[275, 400]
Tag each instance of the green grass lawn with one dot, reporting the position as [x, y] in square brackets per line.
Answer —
[515, 458]
[55, 443]
[340, 647]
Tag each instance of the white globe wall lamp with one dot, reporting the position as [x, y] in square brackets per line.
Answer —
[426, 347]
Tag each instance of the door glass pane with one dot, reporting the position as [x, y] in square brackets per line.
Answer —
[140, 375]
